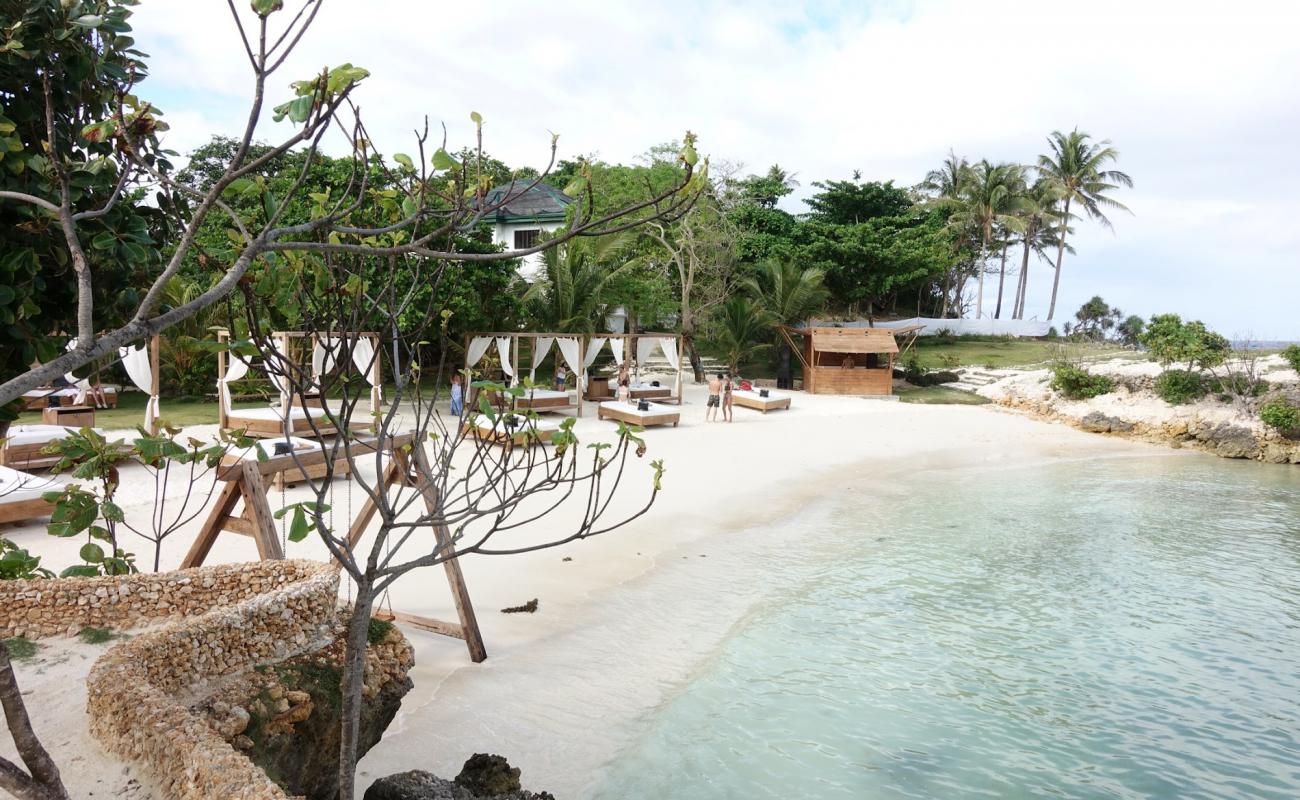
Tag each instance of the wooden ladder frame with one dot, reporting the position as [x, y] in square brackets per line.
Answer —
[246, 482]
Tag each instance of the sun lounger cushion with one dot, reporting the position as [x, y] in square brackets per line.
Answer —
[540, 425]
[630, 408]
[38, 434]
[272, 413]
[543, 394]
[754, 395]
[16, 486]
[267, 446]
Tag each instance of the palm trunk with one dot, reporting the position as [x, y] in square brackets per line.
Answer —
[943, 293]
[979, 299]
[1023, 286]
[1002, 278]
[354, 667]
[1060, 255]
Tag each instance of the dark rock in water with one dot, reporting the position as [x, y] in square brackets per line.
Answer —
[483, 776]
[488, 775]
[1231, 441]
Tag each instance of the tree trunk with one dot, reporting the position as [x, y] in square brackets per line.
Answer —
[44, 782]
[1060, 255]
[784, 378]
[979, 298]
[697, 366]
[1022, 285]
[1002, 277]
[943, 293]
[354, 666]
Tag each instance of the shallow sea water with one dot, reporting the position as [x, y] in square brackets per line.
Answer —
[1101, 629]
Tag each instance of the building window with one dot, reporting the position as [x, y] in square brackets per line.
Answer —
[526, 239]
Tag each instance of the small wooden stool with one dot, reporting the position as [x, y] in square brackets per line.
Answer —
[69, 416]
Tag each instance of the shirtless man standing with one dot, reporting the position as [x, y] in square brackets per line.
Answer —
[715, 399]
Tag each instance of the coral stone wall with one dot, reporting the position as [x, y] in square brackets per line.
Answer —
[232, 618]
[63, 606]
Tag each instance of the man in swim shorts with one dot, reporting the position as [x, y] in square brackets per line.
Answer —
[715, 399]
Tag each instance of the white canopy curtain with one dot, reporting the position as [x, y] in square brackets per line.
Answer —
[569, 349]
[363, 358]
[236, 368]
[616, 346]
[669, 345]
[541, 347]
[82, 384]
[503, 349]
[323, 355]
[478, 347]
[140, 371]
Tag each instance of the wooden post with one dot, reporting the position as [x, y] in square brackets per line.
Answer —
[154, 381]
[285, 400]
[254, 491]
[455, 578]
[681, 353]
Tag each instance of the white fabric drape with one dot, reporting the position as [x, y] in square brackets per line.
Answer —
[140, 371]
[236, 368]
[669, 345]
[541, 347]
[569, 349]
[478, 347]
[645, 345]
[363, 358]
[503, 349]
[616, 346]
[82, 385]
[323, 355]
[593, 350]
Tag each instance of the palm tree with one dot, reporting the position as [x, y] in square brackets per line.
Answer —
[570, 296]
[989, 200]
[1037, 211]
[789, 294]
[739, 329]
[947, 185]
[1076, 166]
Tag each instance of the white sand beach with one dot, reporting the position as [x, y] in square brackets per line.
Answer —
[626, 617]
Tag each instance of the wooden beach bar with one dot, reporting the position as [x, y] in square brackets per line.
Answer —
[851, 361]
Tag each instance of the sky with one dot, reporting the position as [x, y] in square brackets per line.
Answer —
[1202, 100]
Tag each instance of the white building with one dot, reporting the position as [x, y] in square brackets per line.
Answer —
[525, 214]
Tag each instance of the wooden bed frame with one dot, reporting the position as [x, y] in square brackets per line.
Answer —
[652, 393]
[293, 474]
[274, 428]
[764, 404]
[519, 438]
[646, 420]
[27, 456]
[23, 510]
[545, 403]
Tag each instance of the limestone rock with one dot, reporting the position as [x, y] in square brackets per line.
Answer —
[488, 775]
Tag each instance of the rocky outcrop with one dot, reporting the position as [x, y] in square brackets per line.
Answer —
[483, 776]
[285, 718]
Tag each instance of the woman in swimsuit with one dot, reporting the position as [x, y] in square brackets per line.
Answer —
[726, 399]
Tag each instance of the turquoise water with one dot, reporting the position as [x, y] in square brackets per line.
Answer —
[1106, 629]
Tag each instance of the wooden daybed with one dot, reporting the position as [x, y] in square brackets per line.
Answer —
[526, 432]
[648, 391]
[268, 421]
[24, 443]
[545, 400]
[20, 496]
[38, 399]
[292, 472]
[752, 399]
[657, 414]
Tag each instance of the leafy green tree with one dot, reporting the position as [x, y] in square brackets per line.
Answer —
[740, 332]
[1077, 166]
[68, 81]
[766, 190]
[851, 202]
[1172, 341]
[945, 187]
[1130, 330]
[1037, 209]
[789, 294]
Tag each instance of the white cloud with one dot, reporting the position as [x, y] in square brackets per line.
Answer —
[1202, 100]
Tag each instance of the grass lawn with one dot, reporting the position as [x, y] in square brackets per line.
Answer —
[130, 412]
[997, 352]
[938, 395]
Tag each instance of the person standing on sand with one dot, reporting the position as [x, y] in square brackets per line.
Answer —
[561, 378]
[624, 384]
[457, 395]
[715, 399]
[726, 399]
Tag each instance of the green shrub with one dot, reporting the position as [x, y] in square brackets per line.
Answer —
[1077, 383]
[1179, 386]
[16, 564]
[1172, 341]
[91, 635]
[1280, 414]
[1237, 385]
[378, 629]
[1292, 355]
